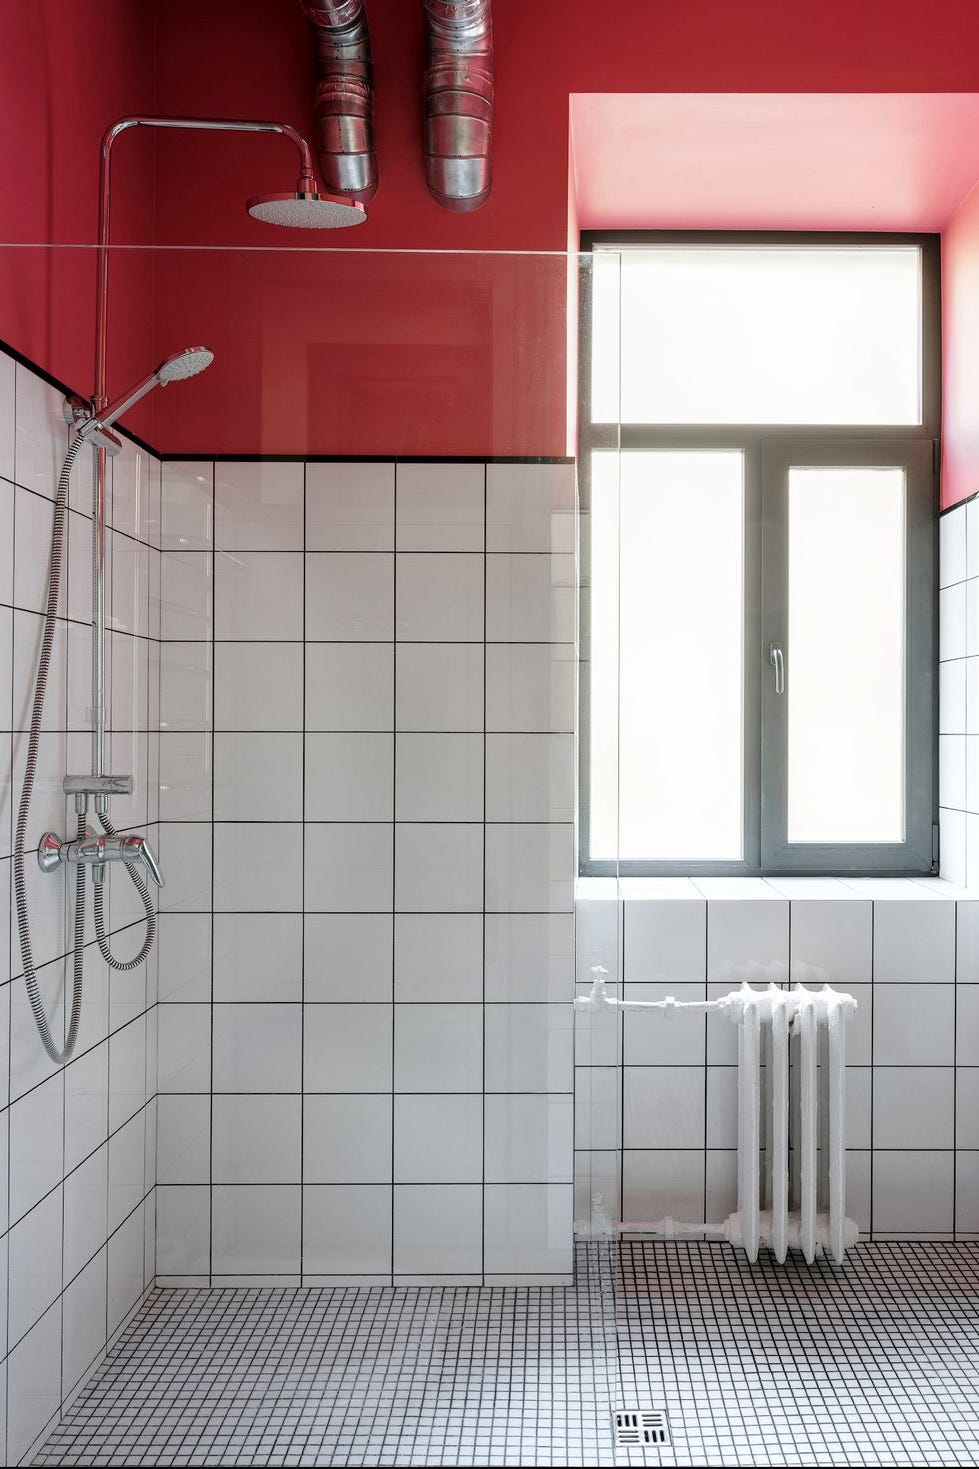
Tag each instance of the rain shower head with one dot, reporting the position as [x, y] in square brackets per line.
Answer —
[306, 209]
[187, 363]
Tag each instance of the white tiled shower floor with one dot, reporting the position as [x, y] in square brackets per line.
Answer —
[877, 1364]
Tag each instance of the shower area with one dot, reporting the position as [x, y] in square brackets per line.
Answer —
[363, 1100]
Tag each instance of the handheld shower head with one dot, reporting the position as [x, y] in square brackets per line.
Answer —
[92, 424]
[306, 209]
[187, 363]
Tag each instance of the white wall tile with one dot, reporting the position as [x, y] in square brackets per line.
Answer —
[438, 1139]
[184, 1139]
[258, 596]
[832, 942]
[529, 1139]
[952, 630]
[528, 1229]
[86, 1104]
[913, 1110]
[36, 1145]
[664, 1107]
[258, 506]
[185, 857]
[257, 686]
[183, 1216]
[255, 1139]
[257, 1048]
[951, 771]
[668, 1181]
[747, 940]
[438, 867]
[35, 1265]
[529, 1048]
[257, 868]
[439, 777]
[529, 956]
[914, 942]
[186, 596]
[438, 956]
[349, 686]
[952, 560]
[952, 697]
[531, 507]
[348, 956]
[348, 867]
[125, 1270]
[529, 868]
[255, 1230]
[914, 1024]
[967, 1025]
[350, 507]
[440, 507]
[187, 504]
[665, 940]
[184, 1039]
[439, 597]
[530, 599]
[33, 1384]
[185, 777]
[530, 777]
[438, 1229]
[349, 777]
[258, 777]
[347, 1229]
[349, 597]
[912, 1193]
[258, 956]
[85, 1212]
[83, 1325]
[653, 1038]
[439, 687]
[530, 686]
[347, 1048]
[438, 1048]
[347, 1139]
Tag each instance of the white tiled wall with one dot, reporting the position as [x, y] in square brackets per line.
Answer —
[77, 1167]
[659, 1136]
[958, 713]
[367, 803]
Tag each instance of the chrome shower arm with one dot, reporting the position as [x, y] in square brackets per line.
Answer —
[191, 124]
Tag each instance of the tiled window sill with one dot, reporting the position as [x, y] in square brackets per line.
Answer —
[879, 889]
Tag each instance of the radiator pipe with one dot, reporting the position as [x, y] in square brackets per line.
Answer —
[344, 101]
[459, 102]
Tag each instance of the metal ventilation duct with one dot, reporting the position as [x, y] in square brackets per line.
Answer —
[344, 106]
[459, 101]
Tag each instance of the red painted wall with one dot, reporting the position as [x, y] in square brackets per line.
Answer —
[960, 337]
[365, 366]
[65, 72]
[360, 354]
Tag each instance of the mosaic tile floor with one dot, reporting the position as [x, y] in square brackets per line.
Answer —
[878, 1364]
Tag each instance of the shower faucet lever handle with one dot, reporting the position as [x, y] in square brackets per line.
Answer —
[148, 857]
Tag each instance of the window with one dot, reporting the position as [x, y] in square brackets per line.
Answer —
[757, 452]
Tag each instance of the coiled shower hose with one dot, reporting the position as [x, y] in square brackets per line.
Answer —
[60, 1056]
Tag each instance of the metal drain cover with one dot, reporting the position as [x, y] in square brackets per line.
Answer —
[640, 1428]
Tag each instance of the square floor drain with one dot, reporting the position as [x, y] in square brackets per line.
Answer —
[640, 1428]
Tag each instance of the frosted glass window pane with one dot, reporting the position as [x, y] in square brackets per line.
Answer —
[766, 334]
[668, 588]
[845, 678]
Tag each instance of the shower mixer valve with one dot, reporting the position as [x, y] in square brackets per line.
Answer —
[94, 851]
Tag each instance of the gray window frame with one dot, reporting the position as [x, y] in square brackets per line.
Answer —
[767, 450]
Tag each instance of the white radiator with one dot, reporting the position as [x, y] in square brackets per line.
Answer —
[778, 1206]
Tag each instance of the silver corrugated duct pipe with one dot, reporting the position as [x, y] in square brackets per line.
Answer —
[344, 106]
[459, 101]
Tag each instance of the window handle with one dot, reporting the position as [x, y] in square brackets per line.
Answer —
[778, 663]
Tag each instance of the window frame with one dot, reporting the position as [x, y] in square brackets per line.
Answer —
[763, 445]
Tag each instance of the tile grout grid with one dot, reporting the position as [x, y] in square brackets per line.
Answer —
[877, 1364]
